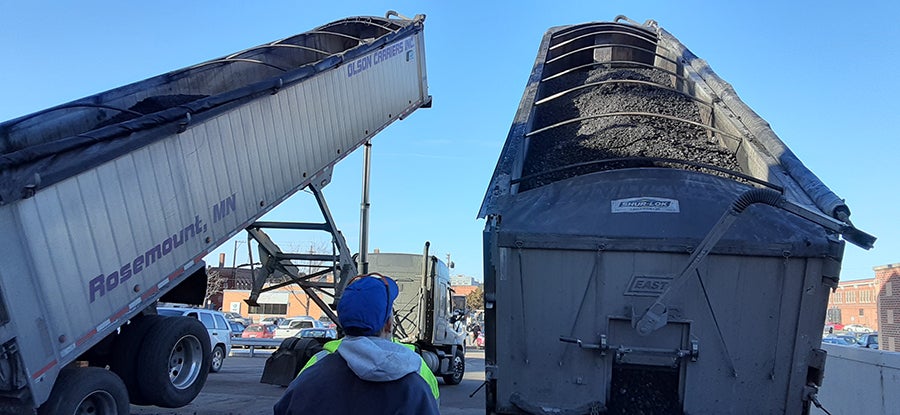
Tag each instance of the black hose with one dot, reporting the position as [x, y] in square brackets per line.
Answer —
[767, 196]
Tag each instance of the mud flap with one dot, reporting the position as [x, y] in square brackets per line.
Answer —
[285, 363]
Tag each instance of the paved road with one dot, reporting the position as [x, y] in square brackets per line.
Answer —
[236, 390]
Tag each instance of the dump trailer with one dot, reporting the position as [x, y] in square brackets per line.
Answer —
[423, 313]
[651, 246]
[108, 204]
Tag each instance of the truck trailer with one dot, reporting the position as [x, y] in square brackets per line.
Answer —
[108, 204]
[423, 311]
[651, 246]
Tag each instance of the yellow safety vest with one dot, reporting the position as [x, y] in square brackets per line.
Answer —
[424, 371]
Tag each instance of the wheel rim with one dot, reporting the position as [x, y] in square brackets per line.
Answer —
[217, 358]
[185, 362]
[458, 367]
[97, 403]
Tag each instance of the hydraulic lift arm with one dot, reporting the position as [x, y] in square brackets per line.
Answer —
[656, 316]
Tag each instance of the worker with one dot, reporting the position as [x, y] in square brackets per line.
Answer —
[365, 372]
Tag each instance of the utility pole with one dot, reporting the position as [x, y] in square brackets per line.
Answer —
[364, 212]
[234, 255]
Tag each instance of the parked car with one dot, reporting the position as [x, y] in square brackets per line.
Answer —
[868, 340]
[232, 316]
[292, 326]
[216, 325]
[856, 328]
[326, 322]
[849, 338]
[275, 321]
[236, 328]
[318, 333]
[259, 331]
[840, 340]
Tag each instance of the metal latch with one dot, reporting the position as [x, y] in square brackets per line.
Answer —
[602, 346]
[640, 355]
[656, 356]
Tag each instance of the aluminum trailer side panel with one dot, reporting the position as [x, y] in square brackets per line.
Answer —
[93, 249]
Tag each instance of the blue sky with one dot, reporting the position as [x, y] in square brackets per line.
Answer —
[821, 76]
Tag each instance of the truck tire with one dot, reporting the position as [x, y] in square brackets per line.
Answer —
[123, 360]
[174, 362]
[457, 367]
[87, 390]
[217, 359]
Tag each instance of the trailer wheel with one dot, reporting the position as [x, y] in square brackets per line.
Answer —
[458, 365]
[174, 362]
[87, 390]
[218, 358]
[127, 349]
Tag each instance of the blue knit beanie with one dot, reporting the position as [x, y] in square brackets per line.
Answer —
[366, 304]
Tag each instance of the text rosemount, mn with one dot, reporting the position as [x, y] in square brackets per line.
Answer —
[104, 283]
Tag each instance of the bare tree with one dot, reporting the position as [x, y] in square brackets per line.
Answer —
[215, 284]
[309, 267]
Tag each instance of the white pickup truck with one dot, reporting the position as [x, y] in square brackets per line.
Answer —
[291, 326]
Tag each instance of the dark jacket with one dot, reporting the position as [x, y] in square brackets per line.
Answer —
[333, 386]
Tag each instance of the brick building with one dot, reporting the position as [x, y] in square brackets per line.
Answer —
[232, 287]
[220, 279]
[887, 278]
[464, 289]
[873, 302]
[854, 302]
[288, 301]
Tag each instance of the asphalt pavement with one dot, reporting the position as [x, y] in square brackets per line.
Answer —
[236, 390]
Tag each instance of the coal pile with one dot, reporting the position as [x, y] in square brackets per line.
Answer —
[622, 136]
[643, 390]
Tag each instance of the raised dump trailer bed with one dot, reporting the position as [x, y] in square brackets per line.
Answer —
[109, 203]
[651, 246]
